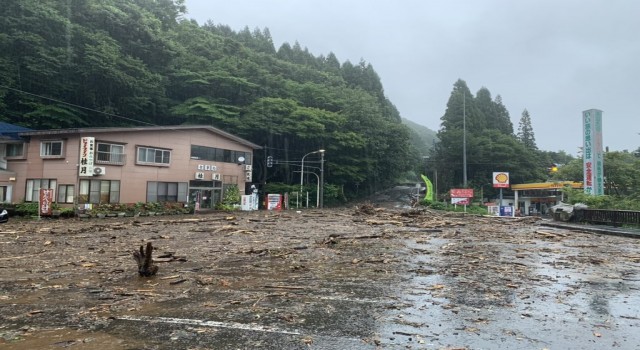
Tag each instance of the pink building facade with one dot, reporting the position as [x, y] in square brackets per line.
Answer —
[125, 165]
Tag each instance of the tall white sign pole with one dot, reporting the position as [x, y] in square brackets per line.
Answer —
[592, 152]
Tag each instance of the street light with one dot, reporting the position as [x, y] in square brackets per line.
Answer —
[464, 140]
[321, 151]
[317, 189]
[321, 179]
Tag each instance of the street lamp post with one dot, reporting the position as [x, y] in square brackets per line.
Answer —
[317, 190]
[321, 151]
[321, 182]
[464, 140]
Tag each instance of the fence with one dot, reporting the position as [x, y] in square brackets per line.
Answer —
[609, 217]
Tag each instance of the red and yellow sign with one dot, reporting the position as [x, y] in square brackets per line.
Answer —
[500, 180]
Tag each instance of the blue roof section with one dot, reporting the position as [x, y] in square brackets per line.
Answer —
[10, 131]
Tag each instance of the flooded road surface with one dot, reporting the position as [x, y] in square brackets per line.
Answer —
[333, 279]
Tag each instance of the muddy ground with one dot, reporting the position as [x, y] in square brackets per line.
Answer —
[354, 278]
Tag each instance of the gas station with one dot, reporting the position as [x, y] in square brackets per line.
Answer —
[537, 198]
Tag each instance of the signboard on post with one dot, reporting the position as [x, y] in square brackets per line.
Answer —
[45, 205]
[593, 159]
[460, 201]
[500, 179]
[462, 193]
[461, 196]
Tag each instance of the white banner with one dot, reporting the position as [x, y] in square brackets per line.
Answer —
[592, 152]
[87, 146]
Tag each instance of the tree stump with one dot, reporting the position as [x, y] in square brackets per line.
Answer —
[146, 267]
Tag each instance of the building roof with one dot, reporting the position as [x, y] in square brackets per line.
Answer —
[546, 185]
[140, 129]
[9, 132]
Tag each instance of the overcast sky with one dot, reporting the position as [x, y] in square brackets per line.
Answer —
[555, 58]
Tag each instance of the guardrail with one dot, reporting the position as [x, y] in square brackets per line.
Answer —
[609, 217]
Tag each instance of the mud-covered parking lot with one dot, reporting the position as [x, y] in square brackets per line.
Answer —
[355, 278]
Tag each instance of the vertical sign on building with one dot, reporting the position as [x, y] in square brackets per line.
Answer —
[87, 145]
[45, 201]
[593, 158]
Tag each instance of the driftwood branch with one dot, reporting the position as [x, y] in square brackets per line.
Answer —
[146, 267]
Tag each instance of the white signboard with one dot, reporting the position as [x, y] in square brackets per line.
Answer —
[87, 146]
[593, 158]
[500, 179]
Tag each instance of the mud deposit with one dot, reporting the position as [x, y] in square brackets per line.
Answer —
[358, 278]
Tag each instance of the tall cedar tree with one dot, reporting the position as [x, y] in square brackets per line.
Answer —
[525, 132]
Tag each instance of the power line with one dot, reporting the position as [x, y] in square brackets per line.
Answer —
[76, 106]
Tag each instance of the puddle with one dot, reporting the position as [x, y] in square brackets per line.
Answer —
[566, 304]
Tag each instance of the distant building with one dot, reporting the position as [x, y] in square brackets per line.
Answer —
[537, 198]
[123, 164]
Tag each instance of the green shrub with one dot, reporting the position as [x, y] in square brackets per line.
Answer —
[437, 205]
[26, 209]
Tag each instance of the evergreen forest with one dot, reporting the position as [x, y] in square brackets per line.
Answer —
[102, 63]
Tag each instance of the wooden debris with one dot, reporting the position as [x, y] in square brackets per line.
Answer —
[550, 234]
[284, 287]
[146, 268]
[384, 222]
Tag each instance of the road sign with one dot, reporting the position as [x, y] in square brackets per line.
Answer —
[462, 193]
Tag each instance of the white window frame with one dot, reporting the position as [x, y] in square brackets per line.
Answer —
[32, 193]
[46, 147]
[153, 153]
[114, 157]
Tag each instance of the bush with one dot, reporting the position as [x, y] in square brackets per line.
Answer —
[26, 209]
[231, 195]
[437, 205]
[574, 196]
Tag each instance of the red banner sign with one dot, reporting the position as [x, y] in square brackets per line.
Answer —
[462, 193]
[46, 201]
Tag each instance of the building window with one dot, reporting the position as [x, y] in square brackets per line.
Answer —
[51, 149]
[15, 150]
[166, 191]
[108, 153]
[99, 191]
[230, 180]
[154, 156]
[32, 194]
[65, 193]
[3, 193]
[218, 154]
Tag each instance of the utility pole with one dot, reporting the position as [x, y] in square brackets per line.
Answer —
[321, 182]
[464, 140]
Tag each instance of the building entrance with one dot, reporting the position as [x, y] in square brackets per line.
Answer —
[205, 193]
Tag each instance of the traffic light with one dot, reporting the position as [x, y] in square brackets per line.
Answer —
[269, 161]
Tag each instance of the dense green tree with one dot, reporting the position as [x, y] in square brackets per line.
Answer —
[490, 143]
[112, 62]
[503, 118]
[525, 132]
[621, 169]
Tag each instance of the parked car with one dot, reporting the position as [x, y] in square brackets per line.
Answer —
[4, 215]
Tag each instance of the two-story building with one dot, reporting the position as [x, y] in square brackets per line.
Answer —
[125, 164]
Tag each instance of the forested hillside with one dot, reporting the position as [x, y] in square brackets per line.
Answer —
[83, 63]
